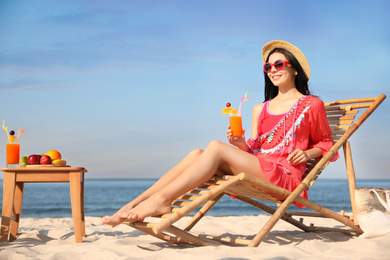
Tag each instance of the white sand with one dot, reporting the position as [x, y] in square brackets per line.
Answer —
[52, 238]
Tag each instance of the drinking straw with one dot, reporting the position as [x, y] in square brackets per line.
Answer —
[6, 130]
[20, 132]
[242, 99]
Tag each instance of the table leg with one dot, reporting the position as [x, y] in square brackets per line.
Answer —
[75, 198]
[17, 209]
[82, 206]
[9, 182]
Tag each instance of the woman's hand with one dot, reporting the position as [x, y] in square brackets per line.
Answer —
[298, 156]
[238, 141]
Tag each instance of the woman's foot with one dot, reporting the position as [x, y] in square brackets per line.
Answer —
[117, 219]
[113, 221]
[151, 207]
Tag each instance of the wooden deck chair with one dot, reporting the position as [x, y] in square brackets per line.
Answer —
[343, 119]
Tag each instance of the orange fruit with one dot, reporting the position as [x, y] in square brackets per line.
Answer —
[54, 155]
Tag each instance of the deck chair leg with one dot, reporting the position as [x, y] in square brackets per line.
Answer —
[351, 178]
[198, 241]
[266, 229]
[286, 217]
[277, 216]
[164, 237]
[202, 212]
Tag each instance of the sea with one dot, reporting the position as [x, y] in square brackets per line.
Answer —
[105, 196]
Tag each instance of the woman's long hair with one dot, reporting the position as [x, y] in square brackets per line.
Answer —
[271, 91]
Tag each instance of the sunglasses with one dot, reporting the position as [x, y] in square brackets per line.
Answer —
[279, 65]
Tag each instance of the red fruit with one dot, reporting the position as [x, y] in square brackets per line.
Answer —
[45, 159]
[33, 159]
[228, 104]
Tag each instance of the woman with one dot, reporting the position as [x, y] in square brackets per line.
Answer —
[288, 129]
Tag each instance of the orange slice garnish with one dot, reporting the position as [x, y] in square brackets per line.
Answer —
[229, 110]
[11, 139]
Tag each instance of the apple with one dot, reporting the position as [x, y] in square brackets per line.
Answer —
[33, 159]
[45, 159]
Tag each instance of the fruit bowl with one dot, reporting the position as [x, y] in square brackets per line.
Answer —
[51, 159]
[45, 165]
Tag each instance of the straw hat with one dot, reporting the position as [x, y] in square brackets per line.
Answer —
[268, 47]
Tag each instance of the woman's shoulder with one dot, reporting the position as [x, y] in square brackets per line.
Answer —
[257, 108]
[315, 101]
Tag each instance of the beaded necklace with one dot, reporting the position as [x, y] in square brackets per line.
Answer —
[287, 139]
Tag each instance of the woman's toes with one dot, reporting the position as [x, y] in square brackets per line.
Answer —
[104, 221]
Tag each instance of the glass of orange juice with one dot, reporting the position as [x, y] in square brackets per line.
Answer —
[13, 154]
[236, 124]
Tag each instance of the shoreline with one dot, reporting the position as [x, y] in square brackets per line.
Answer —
[51, 238]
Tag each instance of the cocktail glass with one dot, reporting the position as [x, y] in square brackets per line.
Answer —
[236, 124]
[13, 154]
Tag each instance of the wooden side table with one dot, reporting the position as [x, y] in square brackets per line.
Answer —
[13, 184]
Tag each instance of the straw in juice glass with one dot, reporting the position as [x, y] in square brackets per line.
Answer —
[20, 132]
[242, 99]
[6, 130]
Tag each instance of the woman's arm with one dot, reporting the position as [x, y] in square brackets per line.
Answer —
[298, 156]
[320, 132]
[255, 119]
[239, 141]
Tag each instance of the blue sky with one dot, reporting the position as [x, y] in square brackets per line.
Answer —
[127, 88]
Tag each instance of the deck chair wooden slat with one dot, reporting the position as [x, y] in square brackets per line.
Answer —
[336, 137]
[338, 132]
[330, 112]
[340, 120]
[346, 117]
[344, 121]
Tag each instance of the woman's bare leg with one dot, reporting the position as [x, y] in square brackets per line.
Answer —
[217, 156]
[163, 181]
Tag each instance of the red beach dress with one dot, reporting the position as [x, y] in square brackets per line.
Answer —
[304, 126]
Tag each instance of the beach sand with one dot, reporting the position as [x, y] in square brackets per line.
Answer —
[52, 238]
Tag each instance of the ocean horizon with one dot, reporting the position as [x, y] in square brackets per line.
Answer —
[105, 196]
